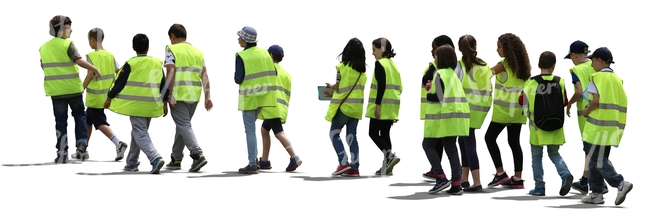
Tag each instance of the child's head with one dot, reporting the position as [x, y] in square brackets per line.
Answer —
[381, 48]
[445, 57]
[601, 58]
[354, 55]
[513, 50]
[439, 41]
[141, 43]
[95, 36]
[547, 61]
[578, 52]
[277, 53]
[177, 33]
[467, 46]
[247, 36]
[61, 26]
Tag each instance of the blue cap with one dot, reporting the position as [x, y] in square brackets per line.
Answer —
[604, 54]
[577, 47]
[248, 34]
[276, 50]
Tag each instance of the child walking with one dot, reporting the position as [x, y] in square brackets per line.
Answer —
[346, 106]
[478, 88]
[97, 88]
[384, 102]
[606, 118]
[274, 117]
[544, 98]
[511, 75]
[128, 97]
[447, 108]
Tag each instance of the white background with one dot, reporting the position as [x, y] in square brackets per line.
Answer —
[312, 35]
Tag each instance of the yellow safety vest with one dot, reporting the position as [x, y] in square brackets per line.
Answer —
[507, 90]
[98, 87]
[260, 74]
[605, 124]
[283, 87]
[141, 95]
[61, 73]
[451, 116]
[583, 71]
[390, 103]
[353, 105]
[423, 94]
[478, 89]
[540, 137]
[187, 73]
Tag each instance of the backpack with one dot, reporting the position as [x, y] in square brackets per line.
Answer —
[549, 104]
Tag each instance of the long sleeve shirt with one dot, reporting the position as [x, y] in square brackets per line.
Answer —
[380, 76]
[123, 77]
[239, 68]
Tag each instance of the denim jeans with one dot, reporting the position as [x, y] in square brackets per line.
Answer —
[601, 168]
[338, 122]
[553, 154]
[250, 117]
[60, 108]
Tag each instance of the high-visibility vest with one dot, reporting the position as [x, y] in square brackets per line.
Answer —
[353, 105]
[605, 125]
[507, 90]
[451, 116]
[141, 96]
[187, 72]
[583, 71]
[478, 89]
[61, 73]
[538, 136]
[390, 103]
[260, 74]
[283, 87]
[423, 93]
[98, 87]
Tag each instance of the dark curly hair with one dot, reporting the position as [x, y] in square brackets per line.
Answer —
[516, 55]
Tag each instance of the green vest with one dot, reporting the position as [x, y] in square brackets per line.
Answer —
[478, 89]
[605, 125]
[141, 95]
[283, 88]
[390, 103]
[583, 71]
[353, 105]
[540, 137]
[451, 116]
[260, 74]
[423, 94]
[98, 87]
[61, 73]
[187, 73]
[507, 90]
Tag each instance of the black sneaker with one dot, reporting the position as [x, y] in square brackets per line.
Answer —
[583, 189]
[513, 184]
[499, 179]
[174, 165]
[473, 189]
[465, 184]
[61, 159]
[441, 184]
[455, 190]
[248, 170]
[199, 162]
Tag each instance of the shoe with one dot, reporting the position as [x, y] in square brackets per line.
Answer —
[198, 162]
[465, 184]
[605, 190]
[473, 189]
[81, 154]
[540, 191]
[583, 189]
[566, 185]
[514, 184]
[157, 165]
[441, 184]
[499, 179]
[622, 192]
[341, 169]
[264, 165]
[294, 163]
[131, 168]
[593, 199]
[455, 190]
[61, 159]
[429, 175]
[120, 150]
[351, 173]
[390, 164]
[257, 164]
[248, 169]
[174, 164]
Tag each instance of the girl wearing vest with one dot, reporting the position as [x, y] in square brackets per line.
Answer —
[606, 118]
[346, 106]
[427, 77]
[478, 88]
[384, 102]
[447, 108]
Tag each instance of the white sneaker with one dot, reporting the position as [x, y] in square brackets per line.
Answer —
[120, 150]
[593, 199]
[622, 192]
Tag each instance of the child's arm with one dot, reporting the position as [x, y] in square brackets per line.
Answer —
[498, 68]
[577, 95]
[206, 83]
[170, 65]
[164, 92]
[593, 104]
[76, 58]
[88, 79]
[239, 69]
[428, 75]
[120, 82]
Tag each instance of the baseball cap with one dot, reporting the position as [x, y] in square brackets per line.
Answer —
[577, 47]
[276, 50]
[604, 54]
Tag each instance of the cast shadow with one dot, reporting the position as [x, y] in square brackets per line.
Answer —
[584, 206]
[421, 196]
[223, 174]
[103, 161]
[42, 164]
[536, 198]
[307, 178]
[424, 183]
[121, 173]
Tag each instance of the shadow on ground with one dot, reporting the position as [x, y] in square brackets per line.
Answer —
[52, 163]
[421, 196]
[122, 173]
[584, 206]
[426, 195]
[331, 178]
[571, 196]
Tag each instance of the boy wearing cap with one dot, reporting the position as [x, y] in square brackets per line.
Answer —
[255, 73]
[606, 116]
[274, 117]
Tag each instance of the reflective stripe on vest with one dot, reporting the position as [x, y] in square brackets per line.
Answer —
[141, 96]
[452, 112]
[188, 69]
[583, 71]
[255, 91]
[507, 90]
[390, 103]
[283, 89]
[98, 87]
[478, 89]
[605, 125]
[61, 73]
[353, 105]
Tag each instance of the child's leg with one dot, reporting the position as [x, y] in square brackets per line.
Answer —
[429, 146]
[514, 132]
[351, 139]
[463, 159]
[384, 133]
[266, 140]
[556, 158]
[472, 157]
[373, 131]
[132, 159]
[606, 168]
[182, 115]
[89, 123]
[454, 160]
[491, 136]
[537, 153]
[141, 135]
[60, 109]
[79, 113]
[278, 131]
[249, 118]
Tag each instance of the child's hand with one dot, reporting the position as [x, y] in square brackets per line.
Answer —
[328, 94]
[568, 110]
[165, 110]
[98, 74]
[172, 101]
[428, 85]
[208, 104]
[107, 104]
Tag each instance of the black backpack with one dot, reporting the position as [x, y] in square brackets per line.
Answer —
[549, 104]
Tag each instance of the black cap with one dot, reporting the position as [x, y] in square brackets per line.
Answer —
[604, 54]
[577, 47]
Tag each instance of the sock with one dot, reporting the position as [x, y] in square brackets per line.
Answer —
[500, 173]
[115, 140]
[455, 183]
[584, 181]
[516, 178]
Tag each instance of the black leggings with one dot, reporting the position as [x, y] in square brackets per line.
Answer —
[380, 134]
[514, 130]
[430, 146]
[468, 155]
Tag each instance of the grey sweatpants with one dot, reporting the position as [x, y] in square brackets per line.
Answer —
[182, 115]
[140, 140]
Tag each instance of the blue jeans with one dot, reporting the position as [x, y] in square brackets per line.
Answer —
[60, 108]
[338, 122]
[250, 117]
[556, 158]
[601, 168]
